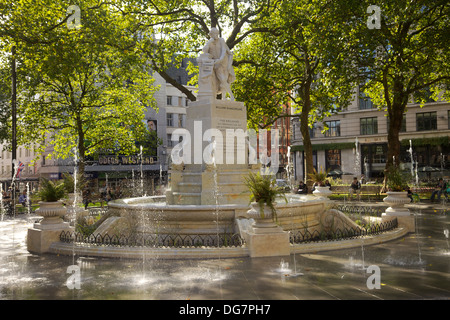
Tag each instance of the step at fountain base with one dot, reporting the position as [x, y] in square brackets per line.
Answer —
[209, 185]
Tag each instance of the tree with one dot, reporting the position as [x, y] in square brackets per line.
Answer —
[181, 27]
[405, 56]
[5, 109]
[78, 91]
[301, 63]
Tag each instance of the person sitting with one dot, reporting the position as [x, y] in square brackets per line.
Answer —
[23, 198]
[440, 188]
[355, 187]
[302, 188]
[410, 194]
[86, 198]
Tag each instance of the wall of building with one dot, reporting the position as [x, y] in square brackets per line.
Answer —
[353, 160]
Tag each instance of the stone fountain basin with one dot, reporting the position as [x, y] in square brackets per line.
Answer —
[153, 215]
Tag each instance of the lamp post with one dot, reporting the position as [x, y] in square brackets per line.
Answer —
[13, 125]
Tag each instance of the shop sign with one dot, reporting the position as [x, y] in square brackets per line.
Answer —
[126, 160]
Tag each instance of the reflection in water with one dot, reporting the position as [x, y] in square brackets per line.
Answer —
[27, 276]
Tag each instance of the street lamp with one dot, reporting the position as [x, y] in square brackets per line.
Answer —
[13, 126]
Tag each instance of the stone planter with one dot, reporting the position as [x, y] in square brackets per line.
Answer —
[43, 234]
[52, 212]
[396, 201]
[262, 219]
[265, 238]
[322, 192]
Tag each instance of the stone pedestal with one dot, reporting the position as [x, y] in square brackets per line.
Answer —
[267, 241]
[44, 233]
[41, 236]
[219, 156]
[265, 238]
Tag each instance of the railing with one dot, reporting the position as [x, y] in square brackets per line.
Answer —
[155, 240]
[305, 236]
[360, 210]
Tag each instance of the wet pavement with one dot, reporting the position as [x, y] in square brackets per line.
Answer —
[414, 267]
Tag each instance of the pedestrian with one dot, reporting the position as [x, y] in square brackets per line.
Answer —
[86, 196]
[355, 187]
[302, 188]
[23, 198]
[410, 194]
[103, 197]
[440, 188]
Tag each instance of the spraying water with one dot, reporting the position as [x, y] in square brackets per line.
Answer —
[412, 159]
[28, 200]
[357, 156]
[142, 173]
[2, 208]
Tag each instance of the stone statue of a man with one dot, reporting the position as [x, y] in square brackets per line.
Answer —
[217, 50]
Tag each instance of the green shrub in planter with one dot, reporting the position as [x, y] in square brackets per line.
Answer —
[50, 191]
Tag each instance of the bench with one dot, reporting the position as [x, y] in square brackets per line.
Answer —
[365, 190]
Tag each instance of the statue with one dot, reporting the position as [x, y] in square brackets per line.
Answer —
[216, 70]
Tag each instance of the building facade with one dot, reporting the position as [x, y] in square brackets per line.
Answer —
[356, 141]
[113, 170]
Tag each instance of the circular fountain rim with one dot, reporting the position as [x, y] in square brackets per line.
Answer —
[161, 205]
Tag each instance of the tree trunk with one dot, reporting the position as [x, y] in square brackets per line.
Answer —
[308, 161]
[304, 129]
[395, 111]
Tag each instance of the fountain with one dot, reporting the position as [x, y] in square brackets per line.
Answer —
[192, 206]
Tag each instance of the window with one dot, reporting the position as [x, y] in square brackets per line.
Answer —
[426, 121]
[169, 119]
[334, 128]
[364, 101]
[424, 96]
[333, 159]
[312, 131]
[369, 125]
[169, 100]
[181, 120]
[170, 143]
